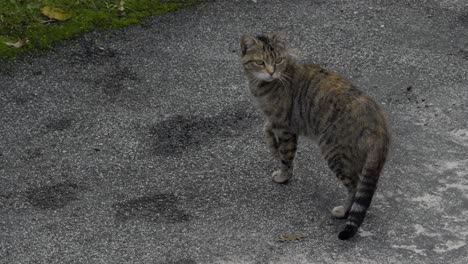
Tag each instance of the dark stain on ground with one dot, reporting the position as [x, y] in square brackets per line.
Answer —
[53, 197]
[23, 99]
[7, 70]
[464, 204]
[33, 153]
[59, 124]
[112, 83]
[407, 95]
[463, 18]
[91, 52]
[4, 198]
[160, 208]
[178, 133]
[463, 54]
[183, 261]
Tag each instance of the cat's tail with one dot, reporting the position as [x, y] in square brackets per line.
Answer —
[365, 189]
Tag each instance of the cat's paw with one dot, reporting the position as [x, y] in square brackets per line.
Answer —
[339, 212]
[281, 177]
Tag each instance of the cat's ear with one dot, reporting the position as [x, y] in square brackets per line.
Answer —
[279, 38]
[247, 42]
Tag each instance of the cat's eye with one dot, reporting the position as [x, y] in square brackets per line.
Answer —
[259, 62]
[279, 60]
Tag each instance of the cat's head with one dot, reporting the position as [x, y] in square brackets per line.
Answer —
[265, 57]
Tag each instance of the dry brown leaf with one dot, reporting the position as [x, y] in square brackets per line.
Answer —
[18, 44]
[287, 238]
[55, 13]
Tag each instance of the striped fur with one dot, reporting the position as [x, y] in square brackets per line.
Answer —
[307, 100]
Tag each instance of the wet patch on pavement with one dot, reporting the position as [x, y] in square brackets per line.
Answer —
[54, 196]
[33, 153]
[178, 133]
[159, 208]
[59, 124]
[90, 51]
[113, 83]
[463, 19]
[24, 99]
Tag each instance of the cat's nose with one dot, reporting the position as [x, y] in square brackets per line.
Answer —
[269, 69]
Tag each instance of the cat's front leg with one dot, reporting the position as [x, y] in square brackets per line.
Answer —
[271, 140]
[287, 146]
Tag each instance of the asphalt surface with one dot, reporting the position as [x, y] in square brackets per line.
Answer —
[142, 145]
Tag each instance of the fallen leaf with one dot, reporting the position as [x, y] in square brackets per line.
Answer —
[55, 13]
[287, 238]
[18, 44]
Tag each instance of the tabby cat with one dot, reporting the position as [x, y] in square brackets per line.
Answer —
[307, 100]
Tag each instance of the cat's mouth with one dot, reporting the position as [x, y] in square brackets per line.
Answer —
[265, 77]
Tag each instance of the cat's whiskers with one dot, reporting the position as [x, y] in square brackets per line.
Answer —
[253, 80]
[287, 75]
[284, 79]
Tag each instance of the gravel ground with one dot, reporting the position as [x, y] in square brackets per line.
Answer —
[142, 145]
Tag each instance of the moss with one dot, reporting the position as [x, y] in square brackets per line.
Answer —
[20, 19]
[6, 50]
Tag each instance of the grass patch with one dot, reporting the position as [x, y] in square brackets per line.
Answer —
[22, 20]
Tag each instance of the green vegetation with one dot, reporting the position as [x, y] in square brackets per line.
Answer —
[23, 23]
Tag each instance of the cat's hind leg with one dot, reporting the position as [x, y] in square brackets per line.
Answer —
[342, 211]
[344, 169]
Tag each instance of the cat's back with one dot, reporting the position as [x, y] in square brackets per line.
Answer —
[330, 86]
[326, 81]
[330, 97]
